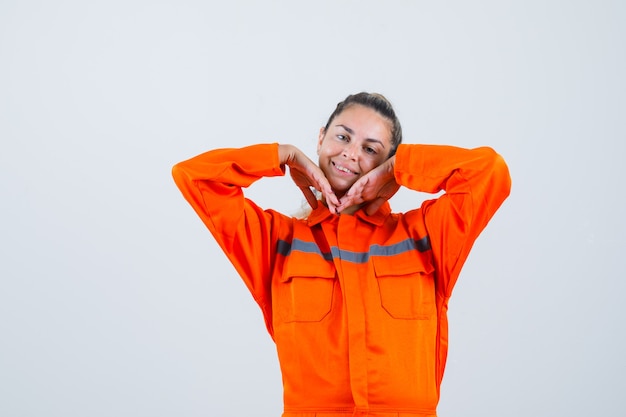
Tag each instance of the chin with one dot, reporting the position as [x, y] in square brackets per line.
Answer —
[340, 191]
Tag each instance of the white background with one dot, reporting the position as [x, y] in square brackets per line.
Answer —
[114, 299]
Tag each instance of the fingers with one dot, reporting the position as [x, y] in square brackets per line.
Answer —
[331, 200]
[322, 184]
[348, 201]
[354, 195]
[306, 175]
[373, 189]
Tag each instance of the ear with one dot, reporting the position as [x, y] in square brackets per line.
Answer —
[320, 139]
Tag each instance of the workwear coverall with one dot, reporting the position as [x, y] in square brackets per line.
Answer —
[356, 304]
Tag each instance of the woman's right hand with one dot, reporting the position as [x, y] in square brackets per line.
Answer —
[306, 174]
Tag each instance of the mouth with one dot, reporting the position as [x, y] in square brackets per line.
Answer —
[343, 169]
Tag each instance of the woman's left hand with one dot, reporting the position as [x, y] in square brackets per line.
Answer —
[373, 188]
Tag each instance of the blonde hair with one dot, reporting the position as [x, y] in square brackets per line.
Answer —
[305, 208]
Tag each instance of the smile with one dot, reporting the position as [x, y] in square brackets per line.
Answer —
[343, 169]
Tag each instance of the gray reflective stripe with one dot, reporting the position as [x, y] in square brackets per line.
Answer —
[284, 248]
[346, 255]
[422, 245]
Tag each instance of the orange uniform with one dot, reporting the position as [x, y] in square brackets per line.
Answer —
[356, 304]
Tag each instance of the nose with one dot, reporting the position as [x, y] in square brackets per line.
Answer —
[350, 151]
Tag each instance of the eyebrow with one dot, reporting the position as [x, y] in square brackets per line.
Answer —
[350, 131]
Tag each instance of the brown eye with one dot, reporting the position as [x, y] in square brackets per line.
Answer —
[370, 151]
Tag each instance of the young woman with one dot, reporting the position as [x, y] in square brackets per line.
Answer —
[354, 296]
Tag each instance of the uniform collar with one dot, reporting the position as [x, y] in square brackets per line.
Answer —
[321, 213]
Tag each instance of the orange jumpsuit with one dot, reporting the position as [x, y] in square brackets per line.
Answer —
[356, 304]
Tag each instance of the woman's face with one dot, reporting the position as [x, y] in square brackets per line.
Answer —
[357, 141]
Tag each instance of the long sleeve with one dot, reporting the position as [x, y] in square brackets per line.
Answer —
[475, 181]
[212, 183]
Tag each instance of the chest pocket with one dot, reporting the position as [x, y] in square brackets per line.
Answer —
[306, 288]
[406, 285]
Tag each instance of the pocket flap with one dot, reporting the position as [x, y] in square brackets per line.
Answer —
[300, 264]
[399, 265]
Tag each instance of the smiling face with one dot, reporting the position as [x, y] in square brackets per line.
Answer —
[356, 141]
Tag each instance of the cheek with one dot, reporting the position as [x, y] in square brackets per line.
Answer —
[369, 165]
[326, 150]
[323, 156]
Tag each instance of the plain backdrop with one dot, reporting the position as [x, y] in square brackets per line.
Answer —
[114, 298]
